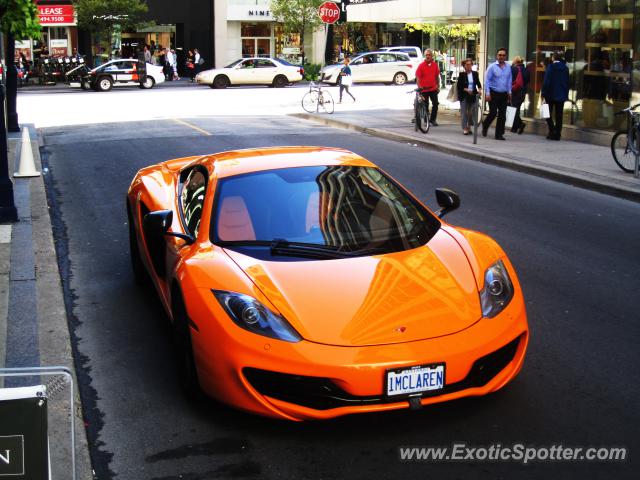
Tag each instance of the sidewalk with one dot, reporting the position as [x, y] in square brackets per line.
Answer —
[33, 321]
[575, 163]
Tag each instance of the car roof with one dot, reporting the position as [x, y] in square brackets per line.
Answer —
[380, 51]
[238, 162]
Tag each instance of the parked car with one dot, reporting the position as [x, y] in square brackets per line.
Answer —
[379, 66]
[117, 73]
[273, 72]
[305, 283]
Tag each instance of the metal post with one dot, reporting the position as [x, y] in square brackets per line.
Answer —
[476, 101]
[12, 85]
[8, 211]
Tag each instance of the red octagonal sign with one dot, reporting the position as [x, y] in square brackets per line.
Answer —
[329, 12]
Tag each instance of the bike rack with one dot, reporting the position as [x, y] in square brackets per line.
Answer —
[54, 386]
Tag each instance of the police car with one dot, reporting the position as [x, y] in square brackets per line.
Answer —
[121, 72]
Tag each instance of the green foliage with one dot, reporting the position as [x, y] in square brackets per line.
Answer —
[447, 32]
[296, 15]
[20, 18]
[102, 15]
[312, 71]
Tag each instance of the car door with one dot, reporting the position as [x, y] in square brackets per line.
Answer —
[363, 68]
[125, 70]
[386, 67]
[244, 73]
[266, 71]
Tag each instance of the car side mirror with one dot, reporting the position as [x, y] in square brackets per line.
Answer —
[448, 200]
[157, 224]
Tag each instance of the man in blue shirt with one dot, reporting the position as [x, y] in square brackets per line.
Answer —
[497, 87]
[555, 91]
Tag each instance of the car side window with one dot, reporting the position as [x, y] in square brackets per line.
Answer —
[357, 61]
[386, 57]
[263, 63]
[192, 199]
[248, 64]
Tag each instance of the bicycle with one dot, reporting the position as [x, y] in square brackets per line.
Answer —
[317, 98]
[421, 112]
[625, 144]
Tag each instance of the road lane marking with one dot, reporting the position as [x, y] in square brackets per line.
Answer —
[197, 129]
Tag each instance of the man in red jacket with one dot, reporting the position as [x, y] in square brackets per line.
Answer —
[428, 80]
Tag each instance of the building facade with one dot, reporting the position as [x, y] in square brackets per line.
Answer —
[246, 28]
[600, 40]
[59, 31]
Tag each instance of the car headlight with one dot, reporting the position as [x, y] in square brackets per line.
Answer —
[497, 291]
[250, 314]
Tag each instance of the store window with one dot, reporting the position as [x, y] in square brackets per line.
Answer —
[287, 45]
[256, 39]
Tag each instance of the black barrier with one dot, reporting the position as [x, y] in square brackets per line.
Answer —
[24, 452]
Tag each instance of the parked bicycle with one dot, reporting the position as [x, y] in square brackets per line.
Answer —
[317, 99]
[625, 144]
[420, 112]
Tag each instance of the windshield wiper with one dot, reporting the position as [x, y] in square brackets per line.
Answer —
[281, 246]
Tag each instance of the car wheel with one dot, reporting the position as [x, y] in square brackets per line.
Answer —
[105, 84]
[185, 363]
[280, 81]
[221, 81]
[400, 78]
[148, 83]
[139, 271]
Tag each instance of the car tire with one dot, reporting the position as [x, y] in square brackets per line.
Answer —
[185, 362]
[221, 81]
[139, 271]
[280, 81]
[400, 78]
[148, 83]
[104, 84]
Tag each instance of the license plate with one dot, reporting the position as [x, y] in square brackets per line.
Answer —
[406, 381]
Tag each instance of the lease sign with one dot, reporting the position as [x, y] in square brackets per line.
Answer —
[56, 15]
[329, 12]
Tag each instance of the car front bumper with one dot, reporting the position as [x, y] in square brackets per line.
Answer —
[306, 380]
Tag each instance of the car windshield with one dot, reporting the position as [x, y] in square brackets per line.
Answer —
[305, 211]
[231, 65]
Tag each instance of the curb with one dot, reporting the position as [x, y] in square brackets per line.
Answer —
[563, 175]
[54, 341]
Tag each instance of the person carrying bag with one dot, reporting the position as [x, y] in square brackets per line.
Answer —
[346, 80]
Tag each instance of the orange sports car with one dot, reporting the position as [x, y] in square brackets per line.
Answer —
[306, 283]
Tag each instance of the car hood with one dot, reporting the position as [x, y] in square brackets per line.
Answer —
[405, 296]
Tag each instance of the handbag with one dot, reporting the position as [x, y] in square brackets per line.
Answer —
[510, 117]
[544, 110]
[452, 96]
[346, 80]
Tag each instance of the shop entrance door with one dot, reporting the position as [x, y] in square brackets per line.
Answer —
[256, 47]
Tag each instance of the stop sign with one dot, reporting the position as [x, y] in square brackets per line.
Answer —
[329, 12]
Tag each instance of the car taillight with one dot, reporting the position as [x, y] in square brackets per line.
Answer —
[301, 71]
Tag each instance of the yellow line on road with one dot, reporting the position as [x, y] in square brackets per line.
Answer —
[197, 129]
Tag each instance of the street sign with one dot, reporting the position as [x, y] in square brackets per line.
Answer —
[329, 12]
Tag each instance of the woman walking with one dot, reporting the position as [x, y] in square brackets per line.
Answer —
[520, 79]
[346, 80]
[468, 89]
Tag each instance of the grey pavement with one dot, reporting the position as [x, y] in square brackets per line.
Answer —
[578, 163]
[33, 321]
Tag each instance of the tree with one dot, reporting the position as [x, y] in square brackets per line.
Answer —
[104, 16]
[297, 16]
[449, 33]
[18, 19]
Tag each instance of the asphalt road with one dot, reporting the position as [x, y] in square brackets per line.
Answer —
[576, 253]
